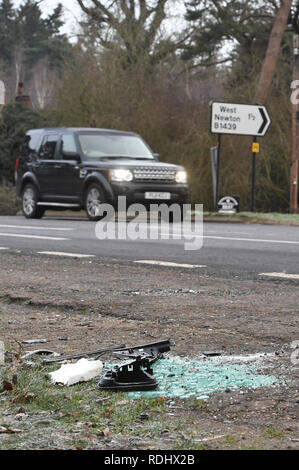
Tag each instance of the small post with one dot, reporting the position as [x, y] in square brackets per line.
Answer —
[253, 174]
[218, 171]
[295, 134]
[22, 99]
[2, 99]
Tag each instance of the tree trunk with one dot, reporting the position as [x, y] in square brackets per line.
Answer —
[270, 60]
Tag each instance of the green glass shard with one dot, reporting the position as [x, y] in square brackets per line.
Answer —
[200, 379]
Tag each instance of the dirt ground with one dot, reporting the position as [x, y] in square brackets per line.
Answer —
[81, 305]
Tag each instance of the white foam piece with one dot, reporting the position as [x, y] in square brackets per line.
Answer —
[81, 371]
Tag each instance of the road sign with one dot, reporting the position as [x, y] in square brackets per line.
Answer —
[239, 119]
[2, 94]
[228, 205]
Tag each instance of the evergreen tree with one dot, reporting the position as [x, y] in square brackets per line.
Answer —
[232, 30]
[26, 39]
[17, 119]
[7, 31]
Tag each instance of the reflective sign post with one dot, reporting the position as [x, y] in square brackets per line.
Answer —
[254, 151]
[295, 133]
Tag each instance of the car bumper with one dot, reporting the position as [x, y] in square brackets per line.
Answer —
[135, 193]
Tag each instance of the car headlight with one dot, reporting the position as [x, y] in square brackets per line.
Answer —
[181, 176]
[121, 175]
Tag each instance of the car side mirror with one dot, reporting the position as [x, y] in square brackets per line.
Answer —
[157, 156]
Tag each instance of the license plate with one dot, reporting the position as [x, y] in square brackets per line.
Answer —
[153, 195]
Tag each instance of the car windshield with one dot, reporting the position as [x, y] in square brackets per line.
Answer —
[101, 146]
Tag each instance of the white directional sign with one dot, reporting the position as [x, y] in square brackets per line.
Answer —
[239, 119]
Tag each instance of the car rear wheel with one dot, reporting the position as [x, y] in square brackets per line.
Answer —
[30, 208]
[94, 198]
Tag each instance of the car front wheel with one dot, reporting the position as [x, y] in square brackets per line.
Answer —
[30, 208]
[94, 198]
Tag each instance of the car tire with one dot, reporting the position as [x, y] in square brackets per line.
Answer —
[30, 208]
[94, 197]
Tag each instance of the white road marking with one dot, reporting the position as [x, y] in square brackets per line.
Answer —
[188, 235]
[230, 232]
[258, 240]
[167, 263]
[31, 227]
[31, 236]
[61, 253]
[3, 248]
[281, 275]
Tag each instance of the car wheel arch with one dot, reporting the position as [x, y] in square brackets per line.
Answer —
[102, 182]
[29, 179]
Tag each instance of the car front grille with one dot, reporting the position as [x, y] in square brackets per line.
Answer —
[153, 174]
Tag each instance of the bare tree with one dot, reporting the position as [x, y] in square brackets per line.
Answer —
[270, 61]
[135, 25]
[42, 86]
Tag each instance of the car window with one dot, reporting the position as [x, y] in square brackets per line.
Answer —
[95, 146]
[29, 144]
[48, 147]
[68, 144]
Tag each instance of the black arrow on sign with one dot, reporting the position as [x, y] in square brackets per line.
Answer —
[265, 120]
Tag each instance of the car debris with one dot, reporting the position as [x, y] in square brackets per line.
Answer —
[98, 353]
[136, 374]
[34, 341]
[39, 352]
[152, 348]
[80, 371]
[212, 353]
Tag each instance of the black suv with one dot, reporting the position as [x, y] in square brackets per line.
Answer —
[75, 168]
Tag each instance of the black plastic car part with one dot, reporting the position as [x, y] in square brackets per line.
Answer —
[135, 375]
[151, 349]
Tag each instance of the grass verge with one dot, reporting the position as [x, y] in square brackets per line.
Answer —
[253, 217]
[38, 414]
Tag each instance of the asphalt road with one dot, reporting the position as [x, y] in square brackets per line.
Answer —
[228, 249]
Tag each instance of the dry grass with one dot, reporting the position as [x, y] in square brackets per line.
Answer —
[9, 203]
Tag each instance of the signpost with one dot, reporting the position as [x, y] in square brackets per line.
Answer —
[254, 152]
[214, 166]
[239, 119]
